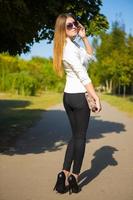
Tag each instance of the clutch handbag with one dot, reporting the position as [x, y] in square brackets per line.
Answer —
[91, 102]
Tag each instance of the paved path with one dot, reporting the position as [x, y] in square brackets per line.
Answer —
[28, 172]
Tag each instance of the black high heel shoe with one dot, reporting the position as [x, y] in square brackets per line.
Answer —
[73, 185]
[60, 183]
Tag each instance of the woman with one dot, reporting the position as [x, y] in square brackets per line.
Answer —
[75, 61]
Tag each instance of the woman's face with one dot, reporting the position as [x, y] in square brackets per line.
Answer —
[71, 27]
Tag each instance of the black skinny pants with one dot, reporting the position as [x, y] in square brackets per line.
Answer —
[78, 113]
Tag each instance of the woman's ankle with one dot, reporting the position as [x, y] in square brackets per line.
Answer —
[66, 172]
[76, 176]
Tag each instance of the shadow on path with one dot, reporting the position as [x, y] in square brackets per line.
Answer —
[53, 131]
[98, 127]
[103, 158]
[15, 118]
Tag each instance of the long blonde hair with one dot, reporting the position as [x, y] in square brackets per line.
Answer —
[59, 41]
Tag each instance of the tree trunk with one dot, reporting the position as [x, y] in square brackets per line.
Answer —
[110, 86]
[107, 85]
[119, 88]
[131, 88]
[124, 90]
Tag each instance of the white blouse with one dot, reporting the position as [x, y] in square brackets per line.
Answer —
[75, 60]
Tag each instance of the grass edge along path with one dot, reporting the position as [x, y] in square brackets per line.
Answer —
[124, 104]
[18, 113]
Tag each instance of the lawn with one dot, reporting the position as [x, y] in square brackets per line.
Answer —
[124, 104]
[18, 113]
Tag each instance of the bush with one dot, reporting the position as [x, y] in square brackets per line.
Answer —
[28, 77]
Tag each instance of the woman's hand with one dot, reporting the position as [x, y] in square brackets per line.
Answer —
[90, 89]
[98, 105]
[81, 31]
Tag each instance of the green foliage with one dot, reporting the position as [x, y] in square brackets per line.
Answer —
[28, 77]
[114, 66]
[24, 22]
[95, 24]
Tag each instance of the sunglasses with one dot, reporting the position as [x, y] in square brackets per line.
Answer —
[71, 25]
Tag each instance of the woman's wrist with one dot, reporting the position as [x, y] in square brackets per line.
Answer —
[96, 98]
[87, 45]
[84, 38]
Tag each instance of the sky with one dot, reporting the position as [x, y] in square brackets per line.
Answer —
[121, 10]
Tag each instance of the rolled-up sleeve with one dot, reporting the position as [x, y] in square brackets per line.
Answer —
[87, 56]
[72, 57]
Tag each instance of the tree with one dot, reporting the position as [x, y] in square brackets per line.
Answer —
[24, 22]
[114, 66]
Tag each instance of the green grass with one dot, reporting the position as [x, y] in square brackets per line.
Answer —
[124, 104]
[17, 113]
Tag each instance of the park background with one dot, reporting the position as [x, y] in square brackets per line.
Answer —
[29, 85]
